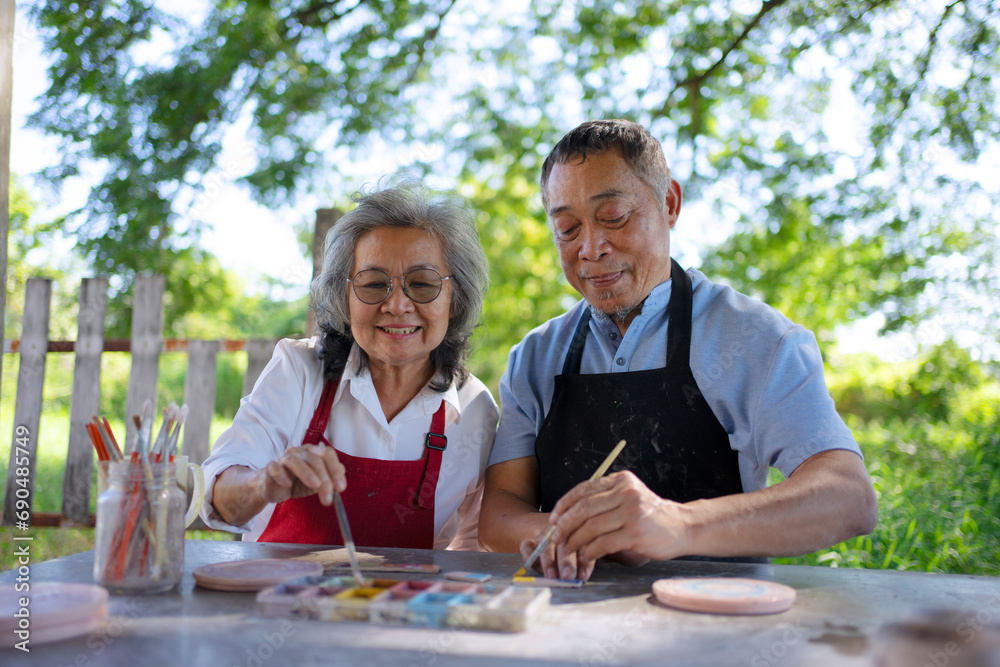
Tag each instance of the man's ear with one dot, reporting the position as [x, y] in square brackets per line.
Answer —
[673, 202]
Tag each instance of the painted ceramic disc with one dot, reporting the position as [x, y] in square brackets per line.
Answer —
[57, 611]
[724, 595]
[253, 575]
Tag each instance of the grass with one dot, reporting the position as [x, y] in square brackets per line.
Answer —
[937, 509]
[935, 466]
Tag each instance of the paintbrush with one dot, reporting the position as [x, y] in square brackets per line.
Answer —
[145, 431]
[156, 449]
[345, 533]
[175, 434]
[547, 538]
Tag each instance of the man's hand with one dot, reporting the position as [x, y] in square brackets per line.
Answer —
[303, 471]
[616, 516]
[549, 561]
[828, 499]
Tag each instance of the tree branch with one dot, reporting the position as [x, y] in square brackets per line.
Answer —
[429, 35]
[923, 61]
[696, 81]
[304, 16]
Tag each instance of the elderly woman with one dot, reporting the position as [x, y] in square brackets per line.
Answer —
[379, 404]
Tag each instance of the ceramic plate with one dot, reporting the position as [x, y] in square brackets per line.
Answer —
[57, 611]
[724, 595]
[253, 575]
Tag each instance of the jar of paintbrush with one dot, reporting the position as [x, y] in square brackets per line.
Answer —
[141, 516]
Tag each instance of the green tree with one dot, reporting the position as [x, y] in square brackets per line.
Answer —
[24, 260]
[477, 92]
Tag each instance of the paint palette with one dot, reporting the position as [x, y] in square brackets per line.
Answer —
[429, 604]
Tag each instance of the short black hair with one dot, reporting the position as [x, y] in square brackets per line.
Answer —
[640, 150]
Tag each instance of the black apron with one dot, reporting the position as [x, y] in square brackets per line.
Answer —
[676, 446]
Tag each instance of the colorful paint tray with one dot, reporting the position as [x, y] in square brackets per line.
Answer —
[300, 597]
[430, 610]
[509, 611]
[351, 604]
[391, 609]
[435, 604]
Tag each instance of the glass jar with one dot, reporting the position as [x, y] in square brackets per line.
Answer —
[139, 540]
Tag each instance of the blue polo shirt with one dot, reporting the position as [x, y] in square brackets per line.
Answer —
[761, 374]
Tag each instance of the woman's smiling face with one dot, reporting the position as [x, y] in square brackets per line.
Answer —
[398, 331]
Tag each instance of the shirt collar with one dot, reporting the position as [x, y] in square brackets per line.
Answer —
[361, 387]
[659, 297]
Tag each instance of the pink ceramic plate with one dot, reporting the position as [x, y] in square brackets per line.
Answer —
[57, 610]
[724, 595]
[54, 633]
[253, 575]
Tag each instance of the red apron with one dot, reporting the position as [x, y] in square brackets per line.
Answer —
[390, 503]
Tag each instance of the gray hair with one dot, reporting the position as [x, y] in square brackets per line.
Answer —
[448, 219]
[640, 150]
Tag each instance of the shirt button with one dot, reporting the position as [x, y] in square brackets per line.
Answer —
[613, 335]
[620, 361]
[387, 437]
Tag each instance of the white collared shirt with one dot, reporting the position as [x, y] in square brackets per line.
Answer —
[276, 414]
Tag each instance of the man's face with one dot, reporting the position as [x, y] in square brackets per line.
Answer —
[612, 234]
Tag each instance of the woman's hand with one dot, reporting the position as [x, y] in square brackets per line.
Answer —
[302, 471]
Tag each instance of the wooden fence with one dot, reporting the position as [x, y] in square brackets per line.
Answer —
[145, 346]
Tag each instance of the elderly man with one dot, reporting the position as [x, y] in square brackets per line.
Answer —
[709, 388]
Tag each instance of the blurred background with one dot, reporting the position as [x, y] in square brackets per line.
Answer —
[839, 160]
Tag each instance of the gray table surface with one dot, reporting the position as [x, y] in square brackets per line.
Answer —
[612, 620]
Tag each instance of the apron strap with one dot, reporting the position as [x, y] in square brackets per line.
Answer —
[679, 319]
[435, 442]
[315, 434]
[575, 353]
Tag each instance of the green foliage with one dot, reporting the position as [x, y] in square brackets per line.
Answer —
[899, 222]
[935, 387]
[154, 128]
[25, 237]
[526, 280]
[740, 95]
[863, 224]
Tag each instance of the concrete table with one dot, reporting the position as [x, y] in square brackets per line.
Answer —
[612, 620]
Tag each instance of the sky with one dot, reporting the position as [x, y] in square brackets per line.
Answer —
[245, 236]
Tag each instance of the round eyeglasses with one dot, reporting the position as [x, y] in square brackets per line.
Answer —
[374, 286]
